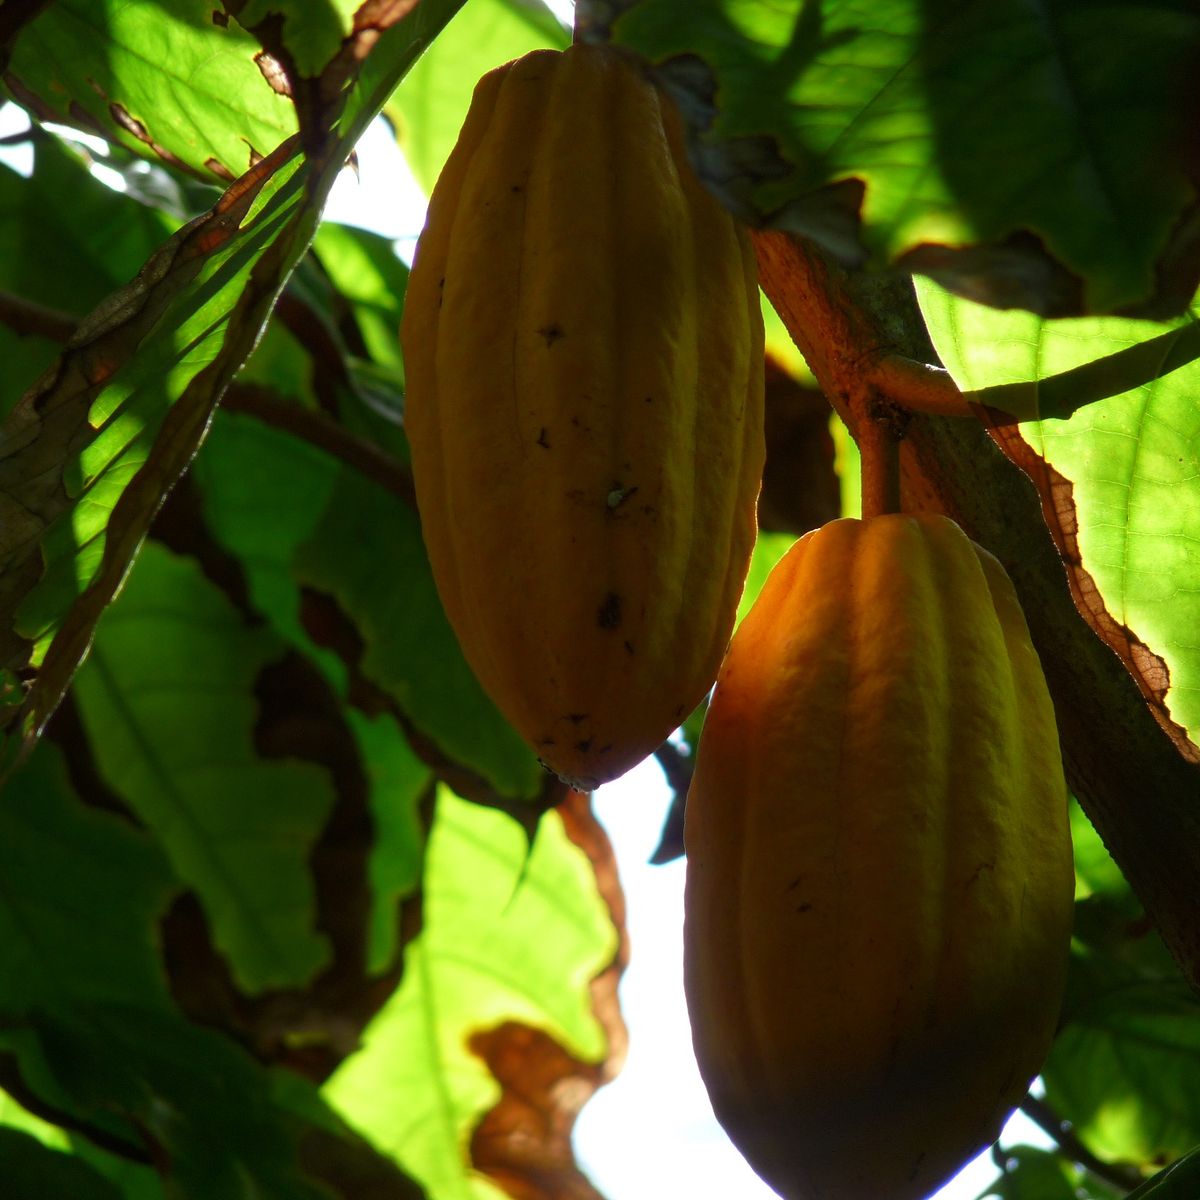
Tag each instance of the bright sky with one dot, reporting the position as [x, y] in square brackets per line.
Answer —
[651, 1132]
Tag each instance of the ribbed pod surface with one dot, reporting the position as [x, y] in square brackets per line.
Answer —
[583, 348]
[880, 882]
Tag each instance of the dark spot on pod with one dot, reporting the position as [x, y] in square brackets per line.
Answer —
[542, 439]
[628, 647]
[576, 718]
[608, 615]
[584, 746]
[551, 333]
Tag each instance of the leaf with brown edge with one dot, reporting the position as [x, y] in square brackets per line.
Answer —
[1112, 453]
[511, 934]
[172, 85]
[523, 1142]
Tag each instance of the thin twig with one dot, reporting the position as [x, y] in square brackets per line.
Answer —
[322, 431]
[27, 317]
[1042, 1115]
[918, 386]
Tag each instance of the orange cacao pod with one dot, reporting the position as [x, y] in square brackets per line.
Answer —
[583, 348]
[880, 880]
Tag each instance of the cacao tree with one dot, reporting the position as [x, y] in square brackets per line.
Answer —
[287, 907]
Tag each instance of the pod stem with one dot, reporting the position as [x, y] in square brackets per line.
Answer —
[879, 450]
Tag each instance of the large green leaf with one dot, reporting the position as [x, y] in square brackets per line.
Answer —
[1024, 154]
[32, 1170]
[1119, 423]
[168, 700]
[82, 892]
[1125, 1066]
[171, 80]
[429, 107]
[325, 528]
[416, 1089]
[88, 1021]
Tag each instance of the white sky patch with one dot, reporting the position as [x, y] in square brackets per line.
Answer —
[19, 155]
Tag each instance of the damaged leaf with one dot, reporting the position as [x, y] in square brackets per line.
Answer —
[961, 140]
[419, 1086]
[1115, 457]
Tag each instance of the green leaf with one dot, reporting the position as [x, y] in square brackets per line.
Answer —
[168, 700]
[399, 781]
[192, 1091]
[371, 280]
[171, 82]
[428, 108]
[86, 458]
[408, 647]
[82, 892]
[311, 34]
[507, 937]
[330, 531]
[946, 127]
[34, 1172]
[1033, 1174]
[66, 241]
[1125, 1066]
[1129, 455]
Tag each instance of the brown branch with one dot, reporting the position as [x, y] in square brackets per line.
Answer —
[1125, 1178]
[918, 386]
[1133, 782]
[324, 432]
[27, 318]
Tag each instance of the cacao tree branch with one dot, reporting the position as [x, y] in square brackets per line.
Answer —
[918, 386]
[322, 431]
[1045, 1118]
[1133, 782]
[27, 317]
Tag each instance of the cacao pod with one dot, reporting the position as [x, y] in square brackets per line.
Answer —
[879, 882]
[583, 348]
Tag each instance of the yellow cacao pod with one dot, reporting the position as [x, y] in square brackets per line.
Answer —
[879, 882]
[583, 349]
